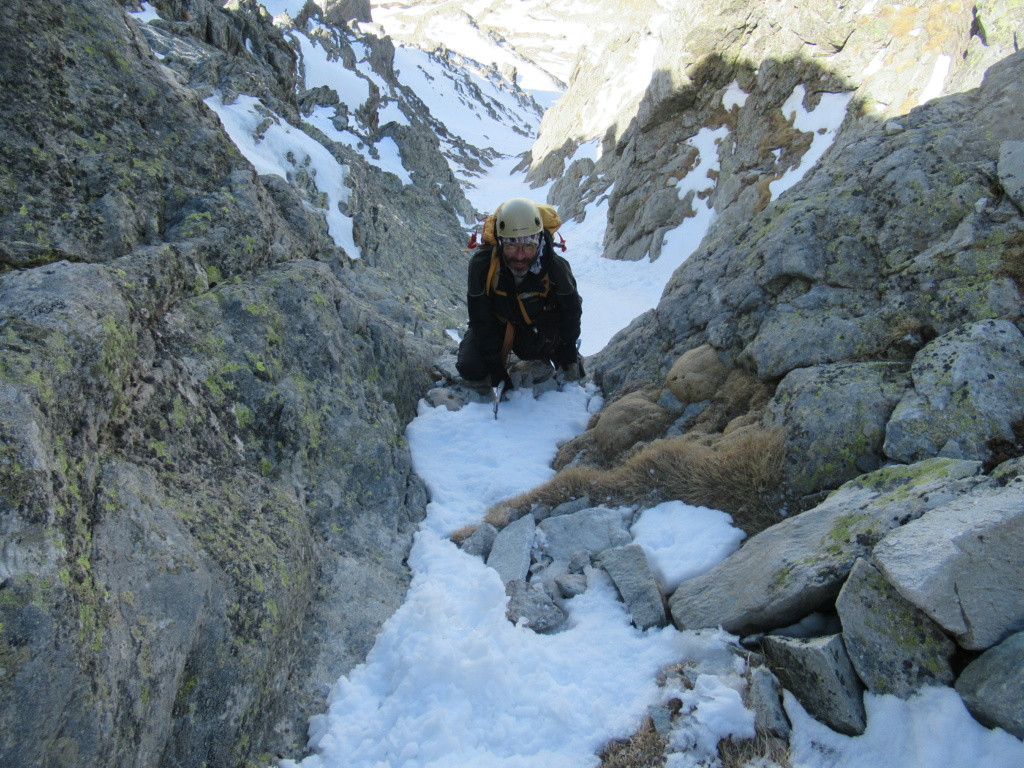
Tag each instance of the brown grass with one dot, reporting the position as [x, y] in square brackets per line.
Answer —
[737, 473]
[740, 754]
[644, 749]
[463, 533]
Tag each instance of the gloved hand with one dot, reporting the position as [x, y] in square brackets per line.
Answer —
[570, 363]
[499, 374]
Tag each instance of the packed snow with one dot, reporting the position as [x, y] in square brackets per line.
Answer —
[450, 681]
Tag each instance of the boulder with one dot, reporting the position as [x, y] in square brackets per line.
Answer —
[961, 564]
[894, 647]
[799, 565]
[510, 553]
[967, 387]
[992, 686]
[835, 417]
[532, 606]
[819, 673]
[450, 399]
[628, 569]
[591, 530]
[569, 541]
[571, 584]
[571, 506]
[479, 542]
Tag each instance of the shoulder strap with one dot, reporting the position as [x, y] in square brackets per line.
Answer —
[492, 273]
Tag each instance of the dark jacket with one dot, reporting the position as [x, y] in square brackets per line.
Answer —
[545, 308]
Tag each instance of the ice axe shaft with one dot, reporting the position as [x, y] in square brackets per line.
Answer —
[497, 397]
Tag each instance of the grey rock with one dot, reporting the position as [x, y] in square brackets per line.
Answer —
[835, 417]
[992, 686]
[479, 542]
[967, 387]
[510, 552]
[764, 697]
[579, 561]
[592, 530]
[632, 577]
[819, 673]
[533, 606]
[448, 398]
[876, 238]
[572, 506]
[1011, 170]
[799, 565]
[661, 717]
[895, 648]
[961, 564]
[571, 584]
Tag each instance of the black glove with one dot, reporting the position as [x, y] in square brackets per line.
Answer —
[547, 342]
[499, 374]
[565, 356]
[570, 362]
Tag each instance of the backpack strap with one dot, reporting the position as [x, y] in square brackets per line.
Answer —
[492, 273]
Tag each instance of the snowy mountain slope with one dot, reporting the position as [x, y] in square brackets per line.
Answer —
[537, 38]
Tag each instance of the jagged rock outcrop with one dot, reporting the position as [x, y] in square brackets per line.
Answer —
[677, 72]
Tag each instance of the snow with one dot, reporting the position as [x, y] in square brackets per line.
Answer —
[823, 121]
[931, 730]
[147, 14]
[937, 80]
[450, 682]
[280, 149]
[352, 89]
[683, 541]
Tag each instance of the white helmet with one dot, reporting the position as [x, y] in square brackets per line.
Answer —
[518, 217]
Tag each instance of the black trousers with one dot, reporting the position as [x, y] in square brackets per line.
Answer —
[528, 344]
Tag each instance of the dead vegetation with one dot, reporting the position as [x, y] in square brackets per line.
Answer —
[738, 473]
[763, 751]
[644, 749]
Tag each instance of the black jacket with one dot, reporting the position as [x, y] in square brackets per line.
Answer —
[545, 305]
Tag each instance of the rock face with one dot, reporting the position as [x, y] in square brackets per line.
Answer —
[894, 648]
[970, 583]
[799, 565]
[992, 686]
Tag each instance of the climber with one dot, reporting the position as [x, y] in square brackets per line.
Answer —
[521, 298]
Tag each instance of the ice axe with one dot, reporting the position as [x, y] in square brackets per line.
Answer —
[497, 397]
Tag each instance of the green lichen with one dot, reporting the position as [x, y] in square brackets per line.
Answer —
[840, 539]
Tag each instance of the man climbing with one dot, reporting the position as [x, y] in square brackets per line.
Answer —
[521, 298]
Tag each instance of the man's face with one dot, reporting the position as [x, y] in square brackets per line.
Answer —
[520, 257]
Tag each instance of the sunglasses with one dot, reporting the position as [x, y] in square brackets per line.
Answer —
[528, 248]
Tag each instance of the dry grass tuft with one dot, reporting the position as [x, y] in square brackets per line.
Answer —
[764, 751]
[737, 473]
[644, 749]
[463, 533]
